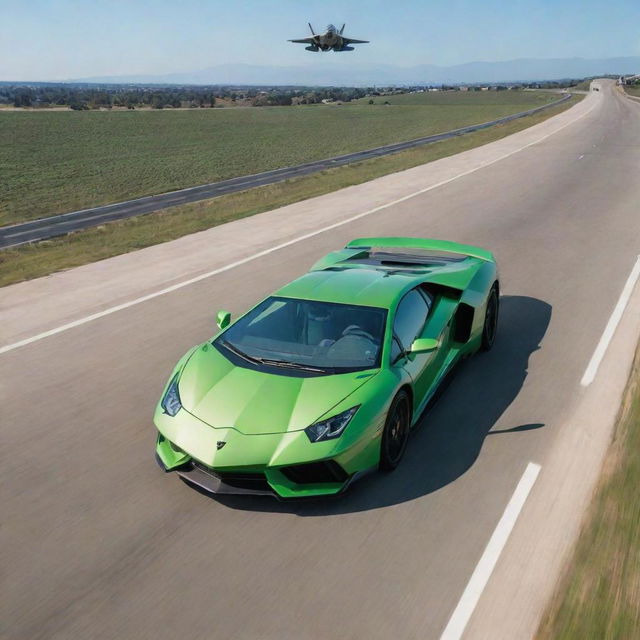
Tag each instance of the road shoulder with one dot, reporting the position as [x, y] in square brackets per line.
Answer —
[527, 574]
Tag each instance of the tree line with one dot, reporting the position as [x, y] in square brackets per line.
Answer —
[123, 96]
[83, 97]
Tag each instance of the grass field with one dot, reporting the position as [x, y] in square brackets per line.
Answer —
[32, 261]
[54, 162]
[521, 100]
[583, 86]
[633, 90]
[599, 597]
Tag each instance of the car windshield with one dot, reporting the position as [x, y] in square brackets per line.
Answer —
[319, 336]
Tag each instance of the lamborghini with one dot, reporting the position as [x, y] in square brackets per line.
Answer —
[324, 380]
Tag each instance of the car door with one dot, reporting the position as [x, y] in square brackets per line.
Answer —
[408, 324]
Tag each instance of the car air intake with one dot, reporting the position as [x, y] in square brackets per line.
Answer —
[315, 472]
[240, 480]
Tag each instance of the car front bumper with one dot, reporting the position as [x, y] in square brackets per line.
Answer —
[285, 465]
[280, 483]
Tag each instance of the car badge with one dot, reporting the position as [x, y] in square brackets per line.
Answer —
[220, 444]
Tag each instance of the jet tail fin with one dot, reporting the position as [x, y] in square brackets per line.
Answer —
[313, 33]
[343, 26]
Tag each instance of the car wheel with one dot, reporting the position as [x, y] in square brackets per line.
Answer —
[490, 327]
[396, 432]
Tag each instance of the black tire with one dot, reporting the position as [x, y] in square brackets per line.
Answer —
[396, 432]
[490, 327]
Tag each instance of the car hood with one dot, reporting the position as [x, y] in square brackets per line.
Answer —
[225, 395]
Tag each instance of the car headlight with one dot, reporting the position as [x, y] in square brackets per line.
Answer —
[171, 400]
[332, 427]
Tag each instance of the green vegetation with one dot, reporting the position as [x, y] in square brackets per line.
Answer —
[82, 97]
[633, 90]
[599, 597]
[584, 85]
[518, 100]
[31, 261]
[53, 162]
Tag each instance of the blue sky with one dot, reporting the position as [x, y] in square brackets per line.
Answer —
[61, 39]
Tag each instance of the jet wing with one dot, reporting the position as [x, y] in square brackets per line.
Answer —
[353, 41]
[304, 41]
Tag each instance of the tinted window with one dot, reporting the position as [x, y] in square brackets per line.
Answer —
[396, 350]
[410, 317]
[307, 332]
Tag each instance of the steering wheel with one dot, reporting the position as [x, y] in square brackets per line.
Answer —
[355, 330]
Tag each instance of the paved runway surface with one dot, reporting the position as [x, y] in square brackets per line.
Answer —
[44, 228]
[97, 543]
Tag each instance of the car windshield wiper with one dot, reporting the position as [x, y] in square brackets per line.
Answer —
[240, 354]
[268, 361]
[290, 365]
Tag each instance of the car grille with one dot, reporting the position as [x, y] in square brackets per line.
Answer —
[315, 472]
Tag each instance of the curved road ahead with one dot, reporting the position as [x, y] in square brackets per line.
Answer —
[97, 543]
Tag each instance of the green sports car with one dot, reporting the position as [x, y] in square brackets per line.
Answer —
[322, 381]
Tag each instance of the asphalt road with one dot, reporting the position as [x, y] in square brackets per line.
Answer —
[97, 543]
[43, 228]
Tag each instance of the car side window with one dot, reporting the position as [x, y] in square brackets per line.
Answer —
[396, 349]
[410, 317]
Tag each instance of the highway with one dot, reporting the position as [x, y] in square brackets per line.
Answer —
[98, 543]
[50, 227]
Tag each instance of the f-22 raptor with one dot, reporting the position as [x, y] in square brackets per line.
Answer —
[330, 40]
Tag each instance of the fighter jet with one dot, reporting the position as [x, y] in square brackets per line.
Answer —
[330, 40]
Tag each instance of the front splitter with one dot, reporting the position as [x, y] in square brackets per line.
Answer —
[213, 483]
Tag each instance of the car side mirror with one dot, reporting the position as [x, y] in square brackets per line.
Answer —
[223, 319]
[424, 345]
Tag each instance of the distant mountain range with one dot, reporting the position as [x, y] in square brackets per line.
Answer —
[342, 72]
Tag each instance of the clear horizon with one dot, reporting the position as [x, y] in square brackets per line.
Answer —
[55, 40]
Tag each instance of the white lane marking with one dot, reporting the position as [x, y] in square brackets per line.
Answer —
[260, 254]
[580, 157]
[612, 325]
[479, 578]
